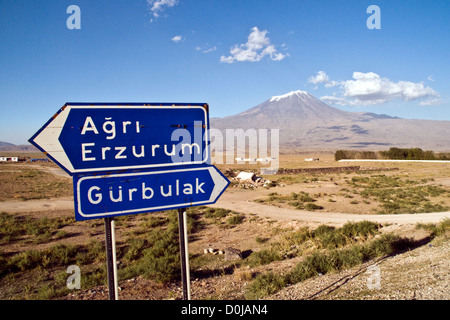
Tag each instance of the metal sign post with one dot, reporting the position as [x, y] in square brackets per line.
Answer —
[129, 158]
[184, 252]
[111, 261]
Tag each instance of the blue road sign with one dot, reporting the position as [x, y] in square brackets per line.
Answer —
[101, 196]
[83, 138]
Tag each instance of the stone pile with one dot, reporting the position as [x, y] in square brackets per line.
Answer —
[248, 180]
[231, 254]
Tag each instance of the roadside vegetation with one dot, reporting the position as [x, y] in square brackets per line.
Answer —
[334, 250]
[386, 194]
[150, 249]
[36, 249]
[392, 154]
[397, 195]
[301, 200]
[18, 183]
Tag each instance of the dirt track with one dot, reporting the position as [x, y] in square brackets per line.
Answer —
[241, 201]
[244, 204]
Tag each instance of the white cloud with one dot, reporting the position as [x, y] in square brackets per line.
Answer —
[334, 100]
[158, 6]
[431, 102]
[320, 77]
[331, 83]
[177, 39]
[207, 50]
[257, 47]
[210, 50]
[370, 89]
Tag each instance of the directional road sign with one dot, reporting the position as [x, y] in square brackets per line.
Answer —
[100, 196]
[84, 137]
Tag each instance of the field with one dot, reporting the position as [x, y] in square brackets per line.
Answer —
[302, 234]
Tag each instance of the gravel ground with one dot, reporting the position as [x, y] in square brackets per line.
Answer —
[419, 274]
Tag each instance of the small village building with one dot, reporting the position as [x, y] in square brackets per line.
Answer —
[9, 159]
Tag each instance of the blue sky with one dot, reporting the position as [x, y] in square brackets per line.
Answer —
[232, 54]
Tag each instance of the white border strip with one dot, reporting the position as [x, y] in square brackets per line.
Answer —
[113, 213]
[382, 160]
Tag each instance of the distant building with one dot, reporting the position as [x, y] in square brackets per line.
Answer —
[40, 160]
[312, 159]
[269, 159]
[9, 159]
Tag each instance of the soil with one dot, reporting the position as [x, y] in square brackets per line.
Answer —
[421, 273]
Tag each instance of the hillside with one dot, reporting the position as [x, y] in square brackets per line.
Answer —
[307, 123]
[5, 144]
[9, 147]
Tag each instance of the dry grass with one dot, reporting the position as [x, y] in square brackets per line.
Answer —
[26, 183]
[34, 252]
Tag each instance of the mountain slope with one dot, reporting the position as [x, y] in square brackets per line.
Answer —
[5, 144]
[307, 123]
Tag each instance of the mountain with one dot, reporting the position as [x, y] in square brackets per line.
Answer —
[307, 123]
[6, 146]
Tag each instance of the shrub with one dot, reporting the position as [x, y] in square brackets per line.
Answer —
[362, 229]
[264, 257]
[264, 285]
[436, 230]
[312, 206]
[216, 213]
[235, 219]
[322, 263]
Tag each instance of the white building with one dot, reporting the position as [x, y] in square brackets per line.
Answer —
[9, 159]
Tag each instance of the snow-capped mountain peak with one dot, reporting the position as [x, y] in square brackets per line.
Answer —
[298, 93]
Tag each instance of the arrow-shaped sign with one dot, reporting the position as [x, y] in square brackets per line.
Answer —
[101, 196]
[84, 137]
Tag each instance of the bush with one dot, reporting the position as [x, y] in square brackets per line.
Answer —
[312, 206]
[216, 213]
[441, 229]
[322, 263]
[264, 257]
[361, 229]
[58, 255]
[264, 285]
[392, 153]
[235, 219]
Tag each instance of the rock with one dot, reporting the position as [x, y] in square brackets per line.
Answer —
[246, 176]
[233, 254]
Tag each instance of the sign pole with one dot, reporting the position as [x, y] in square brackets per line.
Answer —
[185, 275]
[111, 261]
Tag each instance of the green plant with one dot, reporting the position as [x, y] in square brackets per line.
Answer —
[235, 219]
[261, 240]
[216, 213]
[322, 263]
[312, 206]
[264, 285]
[264, 257]
[436, 230]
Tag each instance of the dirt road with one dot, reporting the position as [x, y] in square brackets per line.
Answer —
[37, 205]
[241, 201]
